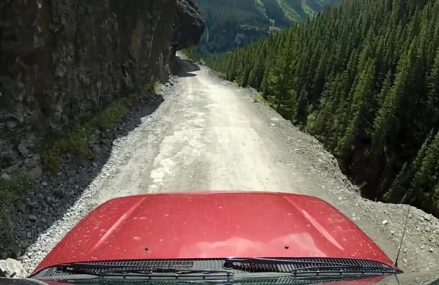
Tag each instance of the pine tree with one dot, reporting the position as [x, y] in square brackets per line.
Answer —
[362, 77]
[361, 106]
[385, 125]
[433, 92]
[428, 175]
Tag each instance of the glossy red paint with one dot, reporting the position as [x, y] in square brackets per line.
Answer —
[213, 225]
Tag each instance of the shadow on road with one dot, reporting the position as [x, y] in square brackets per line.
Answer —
[184, 68]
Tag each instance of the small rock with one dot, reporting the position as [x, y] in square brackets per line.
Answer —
[29, 235]
[32, 218]
[5, 177]
[21, 207]
[427, 218]
[405, 260]
[95, 149]
[431, 250]
[385, 222]
[10, 268]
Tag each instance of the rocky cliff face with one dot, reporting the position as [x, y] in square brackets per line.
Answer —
[61, 61]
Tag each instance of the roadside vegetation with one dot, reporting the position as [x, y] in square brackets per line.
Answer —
[10, 190]
[363, 78]
[15, 186]
[77, 143]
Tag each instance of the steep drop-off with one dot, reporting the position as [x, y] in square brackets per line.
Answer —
[62, 61]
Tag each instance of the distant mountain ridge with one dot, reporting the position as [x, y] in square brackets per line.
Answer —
[232, 24]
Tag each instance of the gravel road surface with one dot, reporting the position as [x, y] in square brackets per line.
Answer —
[210, 134]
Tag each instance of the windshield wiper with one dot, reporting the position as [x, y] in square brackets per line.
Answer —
[98, 270]
[306, 267]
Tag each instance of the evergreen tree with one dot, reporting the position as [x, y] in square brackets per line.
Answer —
[363, 96]
[363, 78]
[427, 178]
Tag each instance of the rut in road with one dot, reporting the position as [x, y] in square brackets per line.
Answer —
[210, 135]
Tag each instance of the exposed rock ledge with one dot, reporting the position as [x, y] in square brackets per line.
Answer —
[64, 60]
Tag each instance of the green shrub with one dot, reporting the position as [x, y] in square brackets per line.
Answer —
[16, 185]
[51, 160]
[112, 115]
[153, 87]
[149, 87]
[78, 142]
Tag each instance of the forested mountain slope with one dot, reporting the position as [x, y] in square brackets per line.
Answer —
[232, 24]
[364, 79]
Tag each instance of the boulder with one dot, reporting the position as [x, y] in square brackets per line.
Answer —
[189, 26]
[11, 268]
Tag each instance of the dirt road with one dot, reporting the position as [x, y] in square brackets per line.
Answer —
[211, 135]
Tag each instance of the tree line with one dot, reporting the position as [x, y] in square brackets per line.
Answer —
[363, 78]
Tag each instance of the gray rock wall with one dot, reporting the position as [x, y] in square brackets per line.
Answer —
[63, 60]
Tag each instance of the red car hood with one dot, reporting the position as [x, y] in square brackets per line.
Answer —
[213, 225]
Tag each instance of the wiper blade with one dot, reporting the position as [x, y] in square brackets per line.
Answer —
[74, 270]
[308, 266]
[115, 270]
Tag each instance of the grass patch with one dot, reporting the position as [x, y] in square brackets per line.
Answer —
[78, 142]
[154, 87]
[111, 116]
[10, 191]
[16, 185]
[257, 98]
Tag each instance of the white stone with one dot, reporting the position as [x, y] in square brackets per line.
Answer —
[11, 268]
